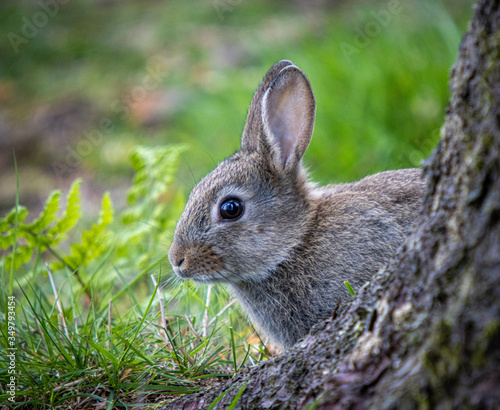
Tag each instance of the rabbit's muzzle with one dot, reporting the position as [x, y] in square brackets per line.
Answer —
[196, 261]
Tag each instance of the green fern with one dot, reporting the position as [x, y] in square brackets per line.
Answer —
[94, 241]
[155, 170]
[150, 214]
[47, 216]
[44, 232]
[146, 220]
[22, 254]
[72, 213]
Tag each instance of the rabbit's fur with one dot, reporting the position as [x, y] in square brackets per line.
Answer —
[287, 256]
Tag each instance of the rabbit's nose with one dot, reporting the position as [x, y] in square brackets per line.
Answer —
[178, 268]
[177, 258]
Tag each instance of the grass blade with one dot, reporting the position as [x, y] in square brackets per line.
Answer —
[237, 397]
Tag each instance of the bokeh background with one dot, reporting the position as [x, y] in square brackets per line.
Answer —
[82, 82]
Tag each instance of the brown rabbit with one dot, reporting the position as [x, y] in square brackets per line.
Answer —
[284, 246]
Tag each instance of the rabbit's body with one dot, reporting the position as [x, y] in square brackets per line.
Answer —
[306, 286]
[283, 246]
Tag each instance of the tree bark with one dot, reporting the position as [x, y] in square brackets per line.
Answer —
[425, 332]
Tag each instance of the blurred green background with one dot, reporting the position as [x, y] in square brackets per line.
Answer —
[83, 82]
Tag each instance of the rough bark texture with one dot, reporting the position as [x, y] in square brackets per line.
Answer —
[425, 333]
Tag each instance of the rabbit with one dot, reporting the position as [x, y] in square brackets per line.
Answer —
[284, 246]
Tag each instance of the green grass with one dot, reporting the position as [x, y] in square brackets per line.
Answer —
[92, 324]
[87, 350]
[128, 360]
[107, 341]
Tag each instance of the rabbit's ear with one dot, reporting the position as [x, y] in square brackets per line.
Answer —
[288, 111]
[253, 126]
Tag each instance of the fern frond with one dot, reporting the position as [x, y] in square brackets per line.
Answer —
[95, 240]
[47, 215]
[70, 216]
[7, 239]
[21, 255]
[10, 218]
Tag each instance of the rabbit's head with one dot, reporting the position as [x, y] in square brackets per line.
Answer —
[243, 218]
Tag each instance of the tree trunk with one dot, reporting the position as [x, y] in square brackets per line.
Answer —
[425, 333]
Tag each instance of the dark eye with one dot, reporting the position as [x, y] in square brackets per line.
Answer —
[231, 208]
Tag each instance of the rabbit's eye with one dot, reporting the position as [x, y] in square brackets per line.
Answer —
[231, 208]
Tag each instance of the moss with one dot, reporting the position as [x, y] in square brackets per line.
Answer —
[422, 399]
[442, 357]
[489, 335]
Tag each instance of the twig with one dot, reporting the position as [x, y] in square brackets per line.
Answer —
[62, 322]
[65, 263]
[71, 268]
[163, 318]
[190, 324]
[204, 323]
[221, 312]
[251, 360]
[164, 327]
[109, 324]
[66, 385]
[41, 333]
